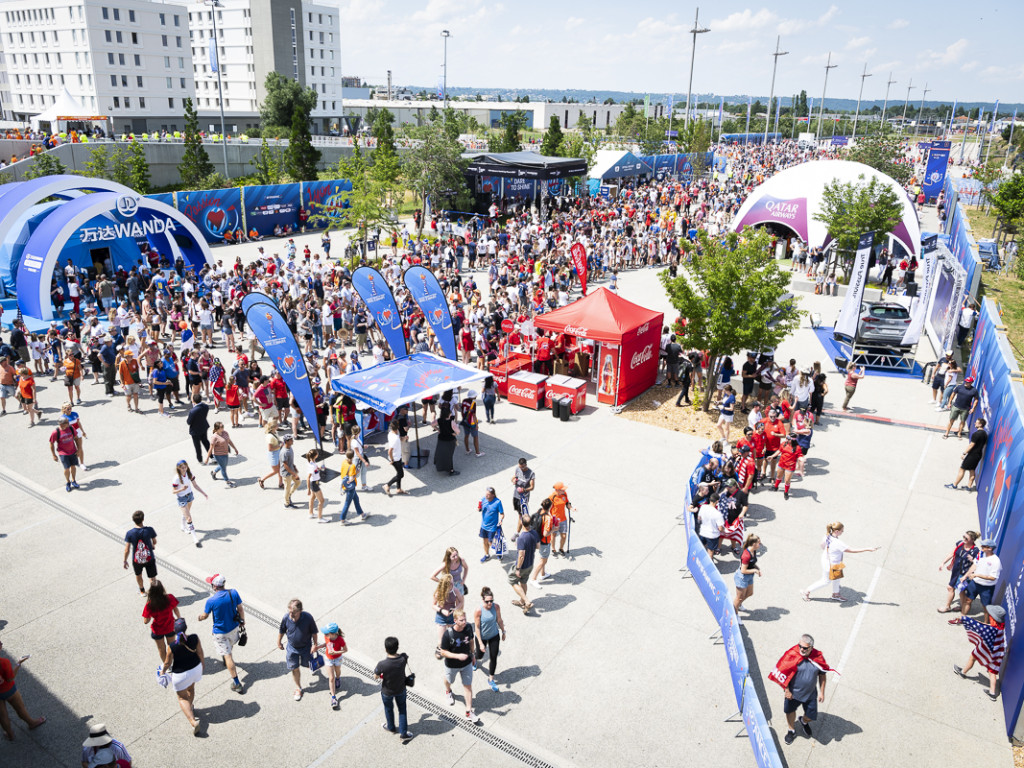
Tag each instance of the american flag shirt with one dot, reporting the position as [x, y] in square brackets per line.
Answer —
[989, 643]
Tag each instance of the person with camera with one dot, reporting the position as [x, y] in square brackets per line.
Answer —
[391, 672]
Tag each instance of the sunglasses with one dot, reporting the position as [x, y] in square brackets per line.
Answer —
[806, 648]
[488, 602]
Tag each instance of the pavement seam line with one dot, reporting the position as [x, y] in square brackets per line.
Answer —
[488, 737]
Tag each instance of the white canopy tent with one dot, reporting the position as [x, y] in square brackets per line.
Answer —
[66, 106]
[792, 197]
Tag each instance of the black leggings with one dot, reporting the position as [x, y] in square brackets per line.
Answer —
[399, 474]
[492, 651]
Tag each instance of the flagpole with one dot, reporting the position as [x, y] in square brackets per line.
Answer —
[1009, 144]
[771, 93]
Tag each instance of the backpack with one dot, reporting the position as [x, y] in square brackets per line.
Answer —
[143, 554]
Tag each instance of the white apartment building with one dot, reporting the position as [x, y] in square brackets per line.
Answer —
[301, 40]
[127, 60]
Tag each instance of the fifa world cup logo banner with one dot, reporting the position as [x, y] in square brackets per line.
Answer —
[378, 298]
[429, 297]
[272, 331]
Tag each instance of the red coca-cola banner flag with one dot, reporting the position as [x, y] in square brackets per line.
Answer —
[579, 261]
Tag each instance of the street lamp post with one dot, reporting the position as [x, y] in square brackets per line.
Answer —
[445, 34]
[885, 103]
[821, 109]
[215, 4]
[903, 121]
[856, 115]
[697, 30]
[920, 113]
[771, 94]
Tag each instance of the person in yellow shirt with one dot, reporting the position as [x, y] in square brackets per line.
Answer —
[560, 509]
[349, 471]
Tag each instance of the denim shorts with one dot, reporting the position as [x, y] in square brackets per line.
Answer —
[743, 580]
[545, 550]
[188, 498]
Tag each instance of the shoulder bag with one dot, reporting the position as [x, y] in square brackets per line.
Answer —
[243, 636]
[835, 570]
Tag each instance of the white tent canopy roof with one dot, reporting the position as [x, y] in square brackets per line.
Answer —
[66, 105]
[792, 197]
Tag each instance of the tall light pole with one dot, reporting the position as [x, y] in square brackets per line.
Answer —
[697, 30]
[821, 109]
[445, 34]
[903, 122]
[886, 102]
[771, 94]
[920, 113]
[856, 115]
[214, 5]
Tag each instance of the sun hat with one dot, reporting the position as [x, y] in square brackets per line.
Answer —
[98, 736]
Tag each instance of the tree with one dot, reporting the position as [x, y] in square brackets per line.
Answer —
[365, 205]
[45, 164]
[98, 164]
[138, 168]
[381, 130]
[268, 164]
[303, 157]
[120, 169]
[731, 293]
[435, 169]
[574, 145]
[552, 137]
[851, 209]
[195, 164]
[881, 151]
[1008, 202]
[285, 98]
[510, 137]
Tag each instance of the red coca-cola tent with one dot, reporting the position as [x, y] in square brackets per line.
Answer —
[629, 335]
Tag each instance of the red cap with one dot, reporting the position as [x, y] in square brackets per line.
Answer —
[969, 380]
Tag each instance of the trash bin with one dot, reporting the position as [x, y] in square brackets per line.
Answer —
[555, 408]
[565, 408]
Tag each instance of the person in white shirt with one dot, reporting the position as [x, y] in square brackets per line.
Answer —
[833, 550]
[712, 524]
[980, 581]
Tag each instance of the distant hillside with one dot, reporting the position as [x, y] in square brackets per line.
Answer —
[549, 94]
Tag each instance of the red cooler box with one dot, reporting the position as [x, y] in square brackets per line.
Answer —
[566, 386]
[502, 368]
[527, 389]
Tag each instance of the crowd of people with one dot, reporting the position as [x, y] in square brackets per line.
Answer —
[171, 337]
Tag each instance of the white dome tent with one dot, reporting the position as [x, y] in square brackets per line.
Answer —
[792, 197]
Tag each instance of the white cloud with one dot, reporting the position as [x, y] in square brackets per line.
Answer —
[869, 52]
[970, 66]
[795, 26]
[950, 55]
[898, 24]
[574, 21]
[857, 42]
[743, 20]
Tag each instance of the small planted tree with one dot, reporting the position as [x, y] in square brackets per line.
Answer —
[732, 295]
[303, 158]
[45, 164]
[195, 163]
[850, 209]
[552, 138]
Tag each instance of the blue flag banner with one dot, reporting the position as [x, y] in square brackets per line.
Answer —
[212, 49]
[272, 332]
[935, 172]
[214, 211]
[429, 297]
[269, 205]
[378, 298]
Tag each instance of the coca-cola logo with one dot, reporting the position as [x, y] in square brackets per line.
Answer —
[529, 392]
[642, 329]
[641, 357]
[573, 330]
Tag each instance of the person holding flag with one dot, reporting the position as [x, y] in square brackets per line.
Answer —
[989, 641]
[800, 670]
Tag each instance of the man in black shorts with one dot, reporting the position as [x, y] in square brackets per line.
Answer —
[972, 457]
[139, 545]
[748, 372]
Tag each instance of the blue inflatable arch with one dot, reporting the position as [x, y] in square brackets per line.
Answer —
[19, 199]
[133, 216]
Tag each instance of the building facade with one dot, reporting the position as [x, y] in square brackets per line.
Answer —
[126, 60]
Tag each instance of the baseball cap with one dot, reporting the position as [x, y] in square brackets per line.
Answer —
[744, 449]
[217, 580]
[330, 629]
[559, 486]
[969, 380]
[991, 543]
[180, 625]
[287, 439]
[997, 612]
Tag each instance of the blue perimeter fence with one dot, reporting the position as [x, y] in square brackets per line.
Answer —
[716, 594]
[957, 228]
[1000, 497]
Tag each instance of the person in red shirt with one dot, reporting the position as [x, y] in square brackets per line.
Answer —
[789, 453]
[544, 349]
[9, 694]
[280, 390]
[774, 431]
[746, 468]
[64, 448]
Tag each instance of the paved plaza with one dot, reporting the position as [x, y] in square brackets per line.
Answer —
[614, 668]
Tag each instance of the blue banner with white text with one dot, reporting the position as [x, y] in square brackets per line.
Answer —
[274, 335]
[935, 171]
[269, 206]
[429, 297]
[378, 298]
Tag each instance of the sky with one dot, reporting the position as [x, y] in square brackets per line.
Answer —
[963, 50]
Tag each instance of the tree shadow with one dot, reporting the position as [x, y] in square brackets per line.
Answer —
[219, 534]
[568, 576]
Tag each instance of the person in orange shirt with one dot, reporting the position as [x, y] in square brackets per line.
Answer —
[789, 454]
[560, 518]
[73, 377]
[131, 377]
[774, 432]
[27, 394]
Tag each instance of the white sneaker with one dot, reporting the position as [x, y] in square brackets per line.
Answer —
[451, 699]
[472, 717]
[546, 577]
